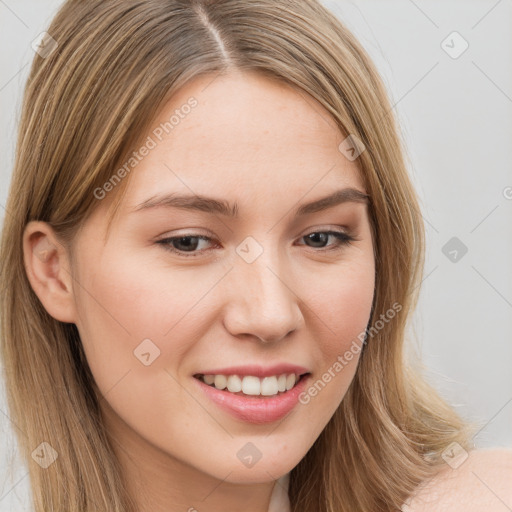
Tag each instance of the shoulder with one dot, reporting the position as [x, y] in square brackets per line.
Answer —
[482, 480]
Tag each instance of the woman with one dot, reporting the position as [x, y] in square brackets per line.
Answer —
[211, 253]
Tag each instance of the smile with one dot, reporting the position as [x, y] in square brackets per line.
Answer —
[251, 385]
[256, 408]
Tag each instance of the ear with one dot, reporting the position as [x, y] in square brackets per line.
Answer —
[48, 270]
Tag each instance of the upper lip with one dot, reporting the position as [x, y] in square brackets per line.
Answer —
[257, 370]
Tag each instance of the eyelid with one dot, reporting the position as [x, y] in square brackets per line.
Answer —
[189, 232]
[328, 227]
[343, 237]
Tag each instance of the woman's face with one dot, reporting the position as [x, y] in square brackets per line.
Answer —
[259, 285]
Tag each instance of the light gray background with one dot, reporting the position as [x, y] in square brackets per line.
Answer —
[456, 119]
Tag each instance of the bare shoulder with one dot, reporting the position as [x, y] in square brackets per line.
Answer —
[479, 480]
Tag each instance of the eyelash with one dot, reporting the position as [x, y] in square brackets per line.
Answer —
[343, 240]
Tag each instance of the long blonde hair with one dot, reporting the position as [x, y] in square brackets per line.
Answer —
[115, 64]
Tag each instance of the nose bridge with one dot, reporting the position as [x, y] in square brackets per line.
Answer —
[262, 302]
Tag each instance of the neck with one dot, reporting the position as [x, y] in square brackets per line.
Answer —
[158, 482]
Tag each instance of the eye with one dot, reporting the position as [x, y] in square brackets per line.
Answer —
[320, 238]
[188, 245]
[183, 244]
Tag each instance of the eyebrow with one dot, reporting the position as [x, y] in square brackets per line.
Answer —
[218, 206]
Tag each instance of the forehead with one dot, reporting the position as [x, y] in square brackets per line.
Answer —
[244, 126]
[245, 136]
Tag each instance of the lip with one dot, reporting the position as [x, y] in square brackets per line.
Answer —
[256, 410]
[257, 370]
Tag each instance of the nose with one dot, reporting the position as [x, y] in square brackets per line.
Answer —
[262, 300]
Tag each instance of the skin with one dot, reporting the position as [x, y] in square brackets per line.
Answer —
[480, 482]
[270, 148]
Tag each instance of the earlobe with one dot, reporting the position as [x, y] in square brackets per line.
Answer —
[48, 270]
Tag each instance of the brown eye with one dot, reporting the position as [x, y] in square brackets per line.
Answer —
[184, 244]
[319, 239]
[188, 245]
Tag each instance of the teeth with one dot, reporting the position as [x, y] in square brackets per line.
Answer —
[234, 384]
[269, 386]
[209, 379]
[250, 385]
[220, 381]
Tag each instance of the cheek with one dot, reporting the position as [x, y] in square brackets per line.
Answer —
[123, 304]
[342, 301]
[339, 315]
[136, 329]
[139, 299]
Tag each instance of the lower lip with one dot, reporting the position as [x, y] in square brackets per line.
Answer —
[255, 409]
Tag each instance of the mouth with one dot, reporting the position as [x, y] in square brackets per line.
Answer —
[251, 386]
[253, 399]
